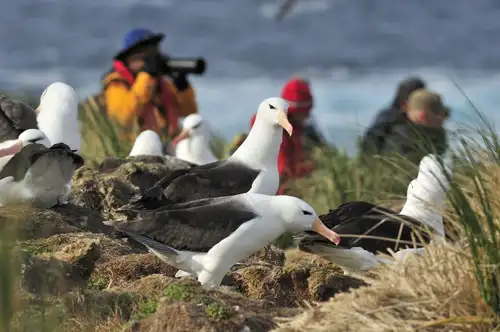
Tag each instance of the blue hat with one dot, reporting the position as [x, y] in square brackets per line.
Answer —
[136, 38]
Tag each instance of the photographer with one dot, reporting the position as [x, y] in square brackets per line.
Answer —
[143, 87]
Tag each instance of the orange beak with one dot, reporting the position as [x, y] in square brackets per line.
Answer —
[321, 229]
[13, 149]
[283, 122]
[183, 135]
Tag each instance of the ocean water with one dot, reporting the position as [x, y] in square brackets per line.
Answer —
[354, 52]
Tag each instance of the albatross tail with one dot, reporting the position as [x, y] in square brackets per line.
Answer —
[187, 261]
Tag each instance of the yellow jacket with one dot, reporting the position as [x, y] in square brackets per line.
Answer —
[139, 102]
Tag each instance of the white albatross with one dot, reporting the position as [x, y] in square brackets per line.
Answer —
[252, 168]
[206, 237]
[58, 115]
[192, 144]
[38, 175]
[147, 143]
[11, 147]
[356, 221]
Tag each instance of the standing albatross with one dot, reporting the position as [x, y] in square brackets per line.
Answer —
[15, 117]
[252, 168]
[58, 115]
[38, 175]
[193, 143]
[206, 237]
[384, 228]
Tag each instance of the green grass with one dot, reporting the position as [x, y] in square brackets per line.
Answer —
[473, 201]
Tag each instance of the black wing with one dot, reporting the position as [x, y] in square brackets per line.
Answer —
[362, 218]
[20, 163]
[195, 226]
[15, 117]
[222, 178]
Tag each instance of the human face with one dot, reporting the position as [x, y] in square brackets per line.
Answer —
[135, 61]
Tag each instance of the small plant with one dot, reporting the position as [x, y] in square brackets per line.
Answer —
[215, 309]
[98, 283]
[178, 292]
[146, 309]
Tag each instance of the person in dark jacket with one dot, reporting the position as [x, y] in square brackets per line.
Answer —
[422, 132]
[373, 141]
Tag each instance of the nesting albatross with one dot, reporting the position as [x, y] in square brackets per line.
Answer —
[38, 175]
[192, 144]
[147, 143]
[206, 237]
[422, 211]
[11, 147]
[252, 168]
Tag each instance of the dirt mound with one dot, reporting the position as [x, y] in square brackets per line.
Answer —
[104, 192]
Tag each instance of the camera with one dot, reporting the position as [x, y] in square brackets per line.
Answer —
[185, 65]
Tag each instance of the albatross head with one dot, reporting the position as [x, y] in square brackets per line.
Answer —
[147, 143]
[59, 98]
[274, 110]
[298, 216]
[192, 126]
[34, 136]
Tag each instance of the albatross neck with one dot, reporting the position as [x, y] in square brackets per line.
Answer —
[261, 145]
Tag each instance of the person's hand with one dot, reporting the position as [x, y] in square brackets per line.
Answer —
[155, 65]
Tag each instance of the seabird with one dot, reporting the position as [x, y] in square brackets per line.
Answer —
[15, 117]
[58, 115]
[206, 237]
[192, 144]
[11, 147]
[38, 175]
[252, 168]
[380, 229]
[147, 143]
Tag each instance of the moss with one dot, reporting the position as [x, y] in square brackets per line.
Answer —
[215, 309]
[178, 292]
[145, 309]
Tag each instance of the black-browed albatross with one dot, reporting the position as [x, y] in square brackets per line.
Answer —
[383, 227]
[38, 175]
[11, 147]
[206, 237]
[252, 168]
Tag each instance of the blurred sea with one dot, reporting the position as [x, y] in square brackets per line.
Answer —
[354, 52]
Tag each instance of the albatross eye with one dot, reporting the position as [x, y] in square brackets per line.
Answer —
[34, 140]
[306, 213]
[272, 107]
[197, 125]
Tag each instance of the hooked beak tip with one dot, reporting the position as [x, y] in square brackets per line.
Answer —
[321, 229]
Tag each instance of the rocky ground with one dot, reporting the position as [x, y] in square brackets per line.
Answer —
[95, 280]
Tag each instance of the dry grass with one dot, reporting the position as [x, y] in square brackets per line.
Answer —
[434, 292]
